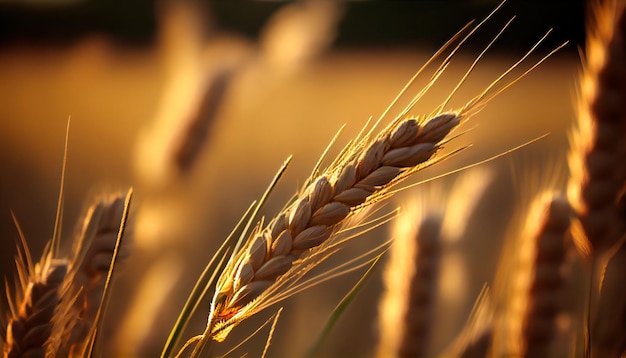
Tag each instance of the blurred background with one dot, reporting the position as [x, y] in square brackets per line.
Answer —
[196, 104]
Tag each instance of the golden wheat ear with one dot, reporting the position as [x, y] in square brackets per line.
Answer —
[270, 264]
[547, 280]
[532, 285]
[33, 303]
[406, 312]
[83, 288]
[96, 251]
[597, 162]
[598, 141]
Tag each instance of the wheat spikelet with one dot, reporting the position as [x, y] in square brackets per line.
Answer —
[598, 143]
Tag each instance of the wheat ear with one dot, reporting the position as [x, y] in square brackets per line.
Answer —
[198, 129]
[267, 266]
[321, 210]
[407, 309]
[546, 288]
[90, 264]
[598, 146]
[37, 298]
[598, 143]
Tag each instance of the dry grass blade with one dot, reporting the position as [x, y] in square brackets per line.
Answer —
[271, 333]
[341, 307]
[361, 176]
[609, 324]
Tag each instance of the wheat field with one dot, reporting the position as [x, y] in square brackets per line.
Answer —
[198, 125]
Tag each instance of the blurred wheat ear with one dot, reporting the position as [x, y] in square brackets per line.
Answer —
[35, 302]
[54, 308]
[94, 249]
[546, 288]
[412, 275]
[598, 173]
[598, 141]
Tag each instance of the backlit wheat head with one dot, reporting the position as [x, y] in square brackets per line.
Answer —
[273, 259]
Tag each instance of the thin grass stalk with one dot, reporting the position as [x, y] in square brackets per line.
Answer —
[37, 295]
[96, 327]
[313, 351]
[475, 339]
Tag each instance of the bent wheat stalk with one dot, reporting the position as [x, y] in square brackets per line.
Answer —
[274, 257]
